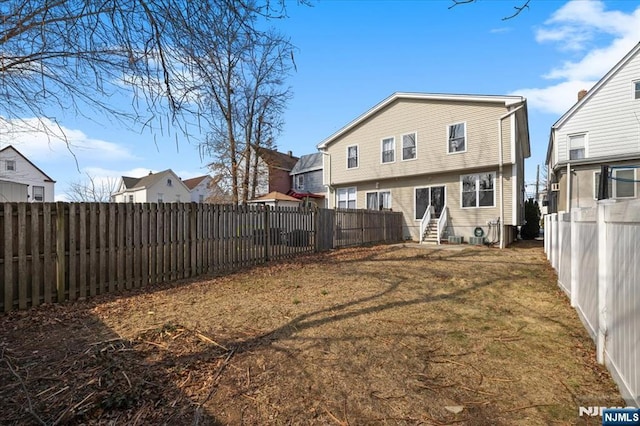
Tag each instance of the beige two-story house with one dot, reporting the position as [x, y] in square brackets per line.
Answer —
[452, 164]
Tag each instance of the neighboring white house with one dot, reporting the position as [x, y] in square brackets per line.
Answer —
[602, 128]
[18, 169]
[161, 187]
[204, 189]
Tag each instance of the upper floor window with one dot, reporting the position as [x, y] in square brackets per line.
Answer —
[346, 198]
[379, 200]
[457, 137]
[577, 146]
[352, 157]
[169, 182]
[636, 90]
[299, 182]
[478, 190]
[38, 193]
[388, 150]
[409, 146]
[11, 165]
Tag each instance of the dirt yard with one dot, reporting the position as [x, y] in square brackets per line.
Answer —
[382, 335]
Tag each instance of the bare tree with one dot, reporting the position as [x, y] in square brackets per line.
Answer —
[243, 77]
[70, 54]
[92, 189]
[518, 8]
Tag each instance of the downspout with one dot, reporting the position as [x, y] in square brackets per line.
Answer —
[500, 170]
[328, 182]
[568, 206]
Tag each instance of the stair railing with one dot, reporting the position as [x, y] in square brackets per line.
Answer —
[442, 222]
[425, 221]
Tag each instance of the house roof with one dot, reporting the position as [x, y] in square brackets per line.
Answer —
[596, 87]
[149, 180]
[308, 163]
[274, 196]
[506, 100]
[47, 178]
[193, 182]
[277, 159]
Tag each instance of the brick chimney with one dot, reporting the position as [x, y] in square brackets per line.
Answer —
[581, 94]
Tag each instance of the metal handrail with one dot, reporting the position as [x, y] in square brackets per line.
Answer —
[442, 222]
[424, 222]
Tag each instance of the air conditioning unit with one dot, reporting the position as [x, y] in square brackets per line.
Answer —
[476, 241]
[454, 239]
[555, 187]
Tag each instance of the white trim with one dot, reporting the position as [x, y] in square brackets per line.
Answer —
[393, 143]
[634, 90]
[415, 133]
[515, 194]
[585, 143]
[614, 189]
[495, 190]
[357, 157]
[504, 100]
[466, 140]
[513, 125]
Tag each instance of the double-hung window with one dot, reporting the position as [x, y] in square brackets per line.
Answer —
[11, 165]
[380, 200]
[38, 193]
[299, 182]
[636, 89]
[577, 146]
[346, 198]
[457, 137]
[388, 150]
[352, 157]
[478, 190]
[409, 146]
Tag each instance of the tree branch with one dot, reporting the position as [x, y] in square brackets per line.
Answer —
[518, 9]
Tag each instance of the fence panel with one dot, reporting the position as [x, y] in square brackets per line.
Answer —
[64, 251]
[584, 276]
[564, 246]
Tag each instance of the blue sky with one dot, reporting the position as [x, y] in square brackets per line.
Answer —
[353, 54]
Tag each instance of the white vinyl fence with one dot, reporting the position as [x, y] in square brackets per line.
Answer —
[596, 253]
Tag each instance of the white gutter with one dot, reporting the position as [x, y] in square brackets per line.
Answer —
[500, 170]
[324, 174]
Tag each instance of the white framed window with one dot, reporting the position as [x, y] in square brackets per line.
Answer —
[636, 89]
[131, 198]
[409, 146]
[201, 198]
[388, 150]
[160, 197]
[621, 185]
[38, 193]
[299, 182]
[352, 157]
[577, 146]
[10, 165]
[379, 200]
[457, 137]
[478, 190]
[346, 198]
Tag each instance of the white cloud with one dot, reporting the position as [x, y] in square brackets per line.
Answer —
[43, 140]
[581, 26]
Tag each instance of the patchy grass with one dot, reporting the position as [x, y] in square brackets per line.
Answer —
[379, 335]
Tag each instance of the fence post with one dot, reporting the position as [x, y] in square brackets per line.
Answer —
[267, 233]
[576, 254]
[604, 253]
[60, 254]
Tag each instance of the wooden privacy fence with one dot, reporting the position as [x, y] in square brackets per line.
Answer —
[52, 252]
[596, 254]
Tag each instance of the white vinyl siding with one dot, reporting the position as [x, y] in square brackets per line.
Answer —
[457, 138]
[346, 198]
[409, 146]
[388, 150]
[478, 190]
[609, 115]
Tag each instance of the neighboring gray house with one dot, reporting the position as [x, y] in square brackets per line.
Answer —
[602, 128]
[16, 168]
[307, 179]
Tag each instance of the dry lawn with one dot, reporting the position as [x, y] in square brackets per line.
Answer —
[379, 335]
